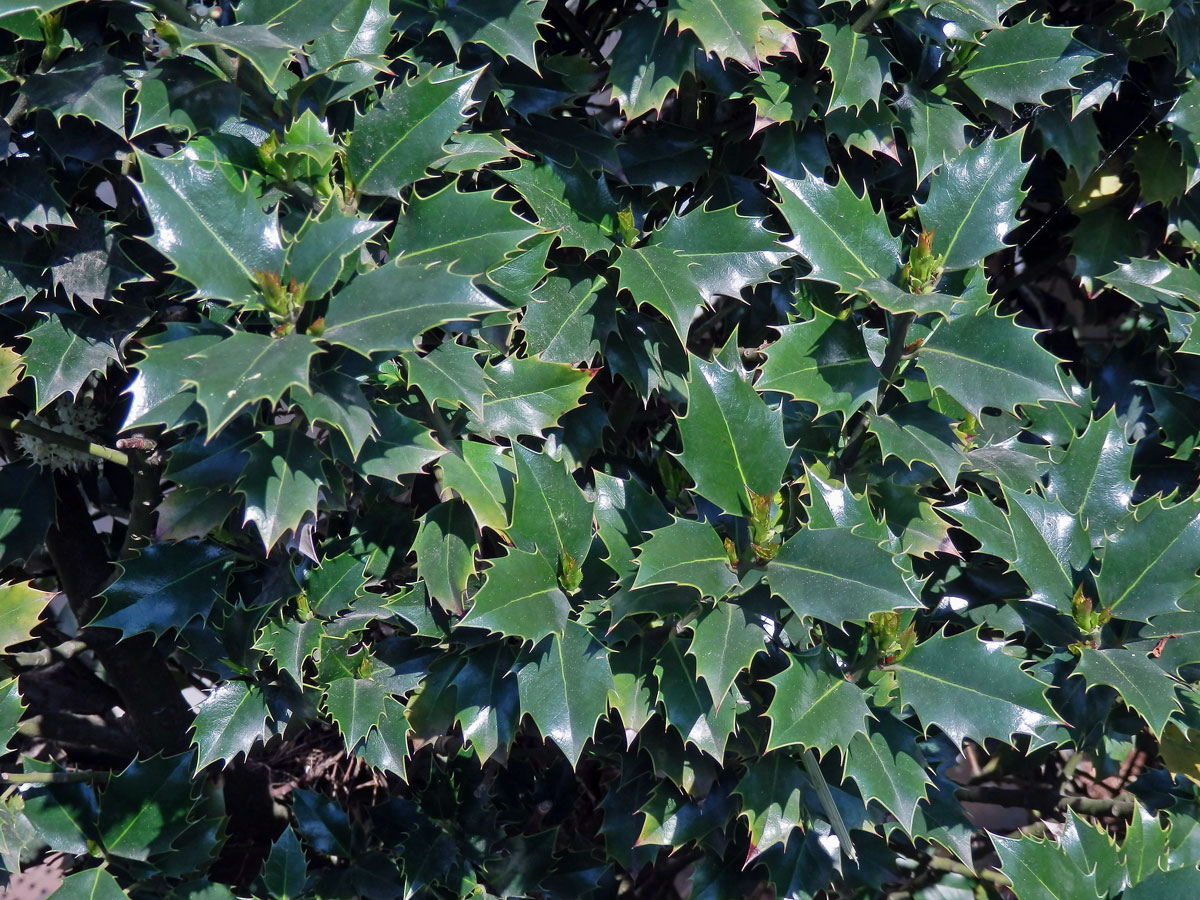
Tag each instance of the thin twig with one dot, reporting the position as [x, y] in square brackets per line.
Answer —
[50, 655]
[863, 22]
[1046, 800]
[20, 426]
[946, 864]
[51, 777]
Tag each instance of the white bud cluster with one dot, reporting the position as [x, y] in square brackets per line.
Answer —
[78, 421]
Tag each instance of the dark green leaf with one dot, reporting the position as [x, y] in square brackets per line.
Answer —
[858, 65]
[814, 705]
[230, 721]
[564, 687]
[837, 232]
[688, 553]
[723, 409]
[649, 62]
[725, 641]
[822, 361]
[209, 223]
[971, 688]
[1148, 564]
[521, 598]
[402, 135]
[509, 27]
[1022, 63]
[445, 548]
[551, 516]
[388, 309]
[973, 201]
[528, 396]
[165, 587]
[63, 352]
[281, 483]
[837, 575]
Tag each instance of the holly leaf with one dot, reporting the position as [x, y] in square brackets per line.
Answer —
[822, 361]
[973, 201]
[445, 548]
[63, 353]
[388, 308]
[1042, 870]
[230, 721]
[89, 83]
[21, 607]
[723, 409]
[356, 706]
[285, 873]
[551, 516]
[395, 141]
[1148, 564]
[482, 475]
[449, 372]
[316, 257]
[725, 641]
[338, 400]
[290, 643]
[688, 704]
[258, 45]
[649, 62]
[295, 22]
[165, 587]
[1092, 477]
[744, 31]
[28, 200]
[565, 707]
[839, 234]
[859, 66]
[520, 598]
[568, 202]
[934, 128]
[281, 483]
[1024, 62]
[509, 27]
[569, 318]
[209, 223]
[1139, 679]
[91, 884]
[468, 232]
[688, 553]
[814, 705]
[528, 396]
[915, 432]
[247, 367]
[772, 795]
[971, 689]
[887, 765]
[1050, 546]
[837, 576]
[178, 94]
[984, 359]
[403, 446]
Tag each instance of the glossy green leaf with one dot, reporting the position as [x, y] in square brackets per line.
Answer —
[814, 705]
[551, 516]
[209, 223]
[469, 233]
[281, 483]
[230, 721]
[1147, 565]
[389, 308]
[285, 873]
[858, 66]
[64, 352]
[725, 641]
[743, 31]
[688, 704]
[772, 795]
[1140, 681]
[509, 27]
[521, 598]
[649, 62]
[887, 765]
[567, 201]
[482, 475]
[528, 396]
[722, 409]
[971, 689]
[837, 575]
[839, 234]
[564, 685]
[146, 806]
[402, 135]
[355, 705]
[1021, 63]
[21, 607]
[688, 553]
[445, 548]
[165, 587]
[822, 361]
[983, 360]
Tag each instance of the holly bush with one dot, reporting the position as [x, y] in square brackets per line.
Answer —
[601, 448]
